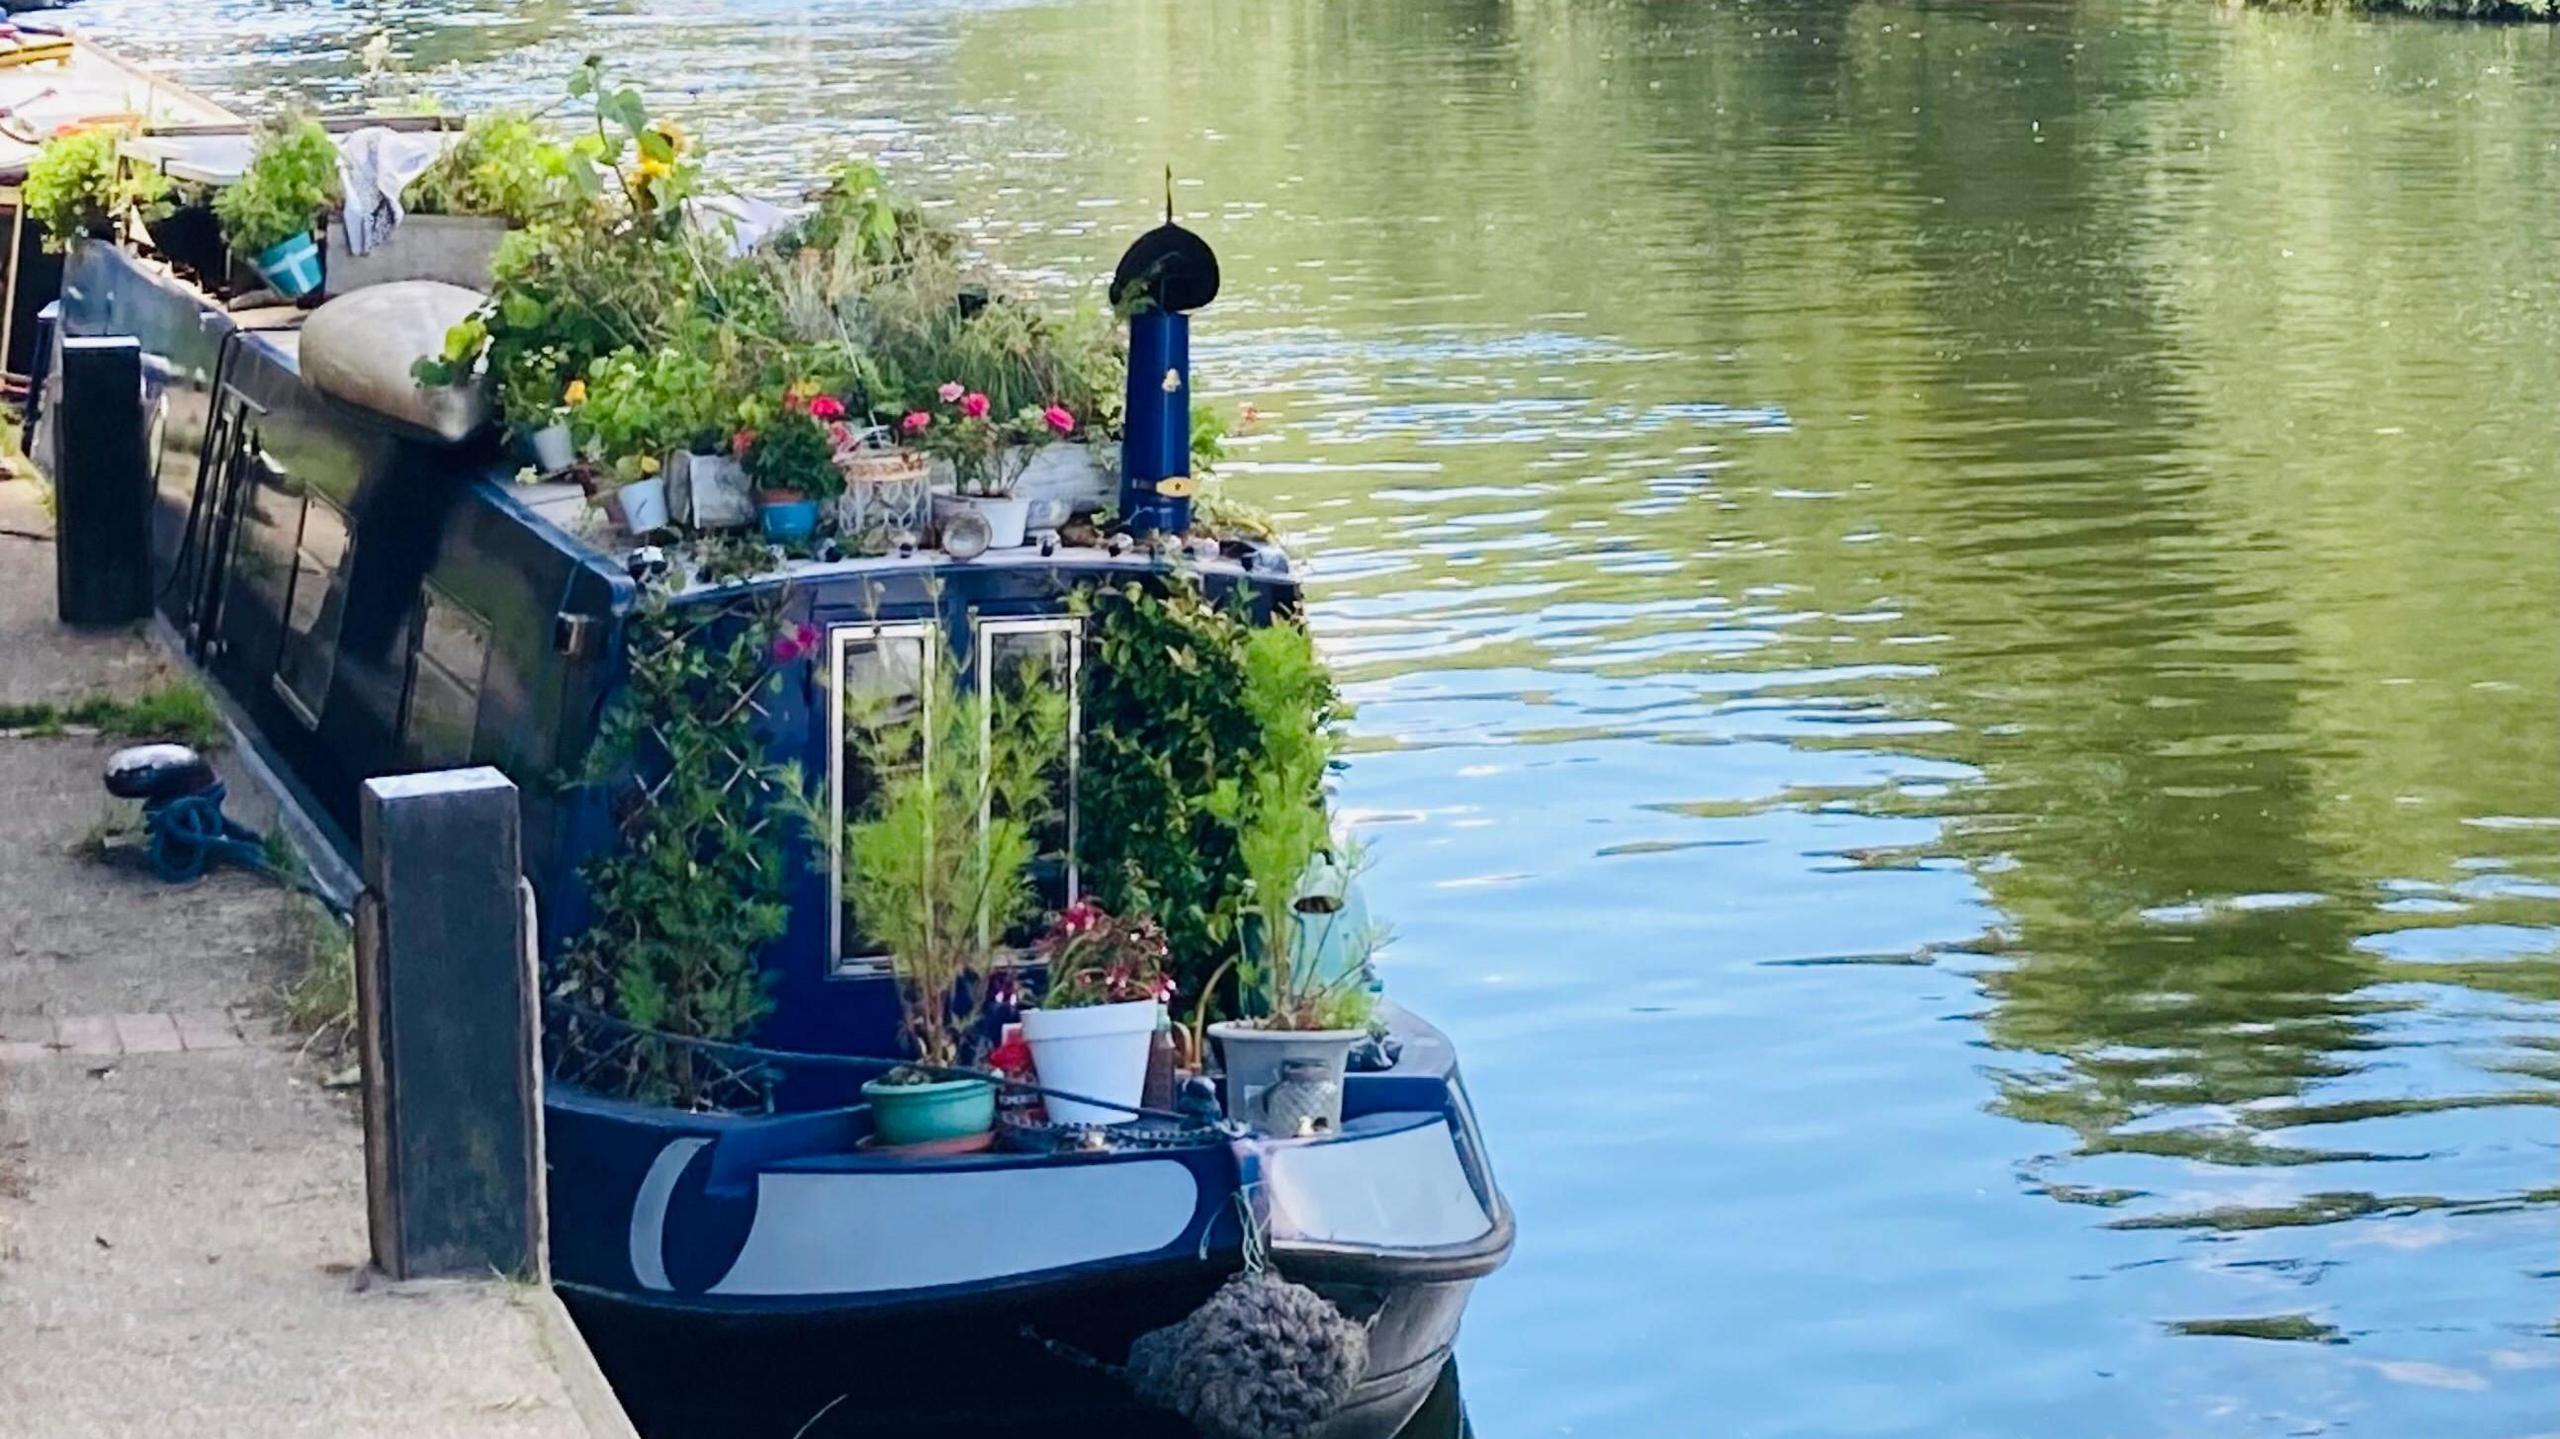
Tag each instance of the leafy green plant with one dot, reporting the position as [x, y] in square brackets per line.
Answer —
[77, 185]
[634, 408]
[1276, 807]
[533, 389]
[793, 448]
[695, 886]
[501, 167]
[937, 862]
[1166, 725]
[291, 180]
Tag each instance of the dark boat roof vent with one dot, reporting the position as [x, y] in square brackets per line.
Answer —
[1171, 267]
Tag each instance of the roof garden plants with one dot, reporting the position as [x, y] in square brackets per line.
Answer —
[77, 186]
[290, 183]
[500, 168]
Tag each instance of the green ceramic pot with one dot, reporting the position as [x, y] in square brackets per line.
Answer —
[930, 1113]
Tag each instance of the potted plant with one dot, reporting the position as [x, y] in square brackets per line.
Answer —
[936, 869]
[791, 457]
[1295, 1008]
[986, 455]
[499, 173]
[534, 399]
[78, 186]
[268, 214]
[1106, 993]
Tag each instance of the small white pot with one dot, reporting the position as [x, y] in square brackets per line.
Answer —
[1099, 1050]
[1007, 516]
[554, 449]
[644, 505]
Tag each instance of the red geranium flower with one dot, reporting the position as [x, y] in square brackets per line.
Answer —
[974, 405]
[827, 407]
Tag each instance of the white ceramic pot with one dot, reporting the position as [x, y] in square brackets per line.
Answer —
[1007, 516]
[644, 505]
[1096, 1050]
[1060, 478]
[554, 449]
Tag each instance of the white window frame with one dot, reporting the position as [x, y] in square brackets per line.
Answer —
[841, 639]
[985, 630]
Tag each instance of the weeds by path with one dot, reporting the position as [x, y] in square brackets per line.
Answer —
[181, 711]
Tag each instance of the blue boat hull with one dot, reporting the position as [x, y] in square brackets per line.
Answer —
[729, 1265]
[971, 1368]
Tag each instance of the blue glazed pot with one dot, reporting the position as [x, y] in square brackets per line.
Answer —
[944, 1110]
[792, 520]
[291, 266]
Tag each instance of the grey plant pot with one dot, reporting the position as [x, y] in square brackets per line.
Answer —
[1253, 1057]
[456, 249]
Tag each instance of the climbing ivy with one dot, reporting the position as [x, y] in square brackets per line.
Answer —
[1169, 731]
[696, 886]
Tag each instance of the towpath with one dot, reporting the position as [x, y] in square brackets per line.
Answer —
[182, 1216]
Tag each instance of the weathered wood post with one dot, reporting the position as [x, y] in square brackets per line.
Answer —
[448, 1008]
[102, 485]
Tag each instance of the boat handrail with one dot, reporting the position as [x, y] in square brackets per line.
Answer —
[783, 1058]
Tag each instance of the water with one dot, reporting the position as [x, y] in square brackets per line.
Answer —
[1956, 622]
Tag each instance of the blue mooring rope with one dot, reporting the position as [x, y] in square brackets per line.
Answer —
[188, 833]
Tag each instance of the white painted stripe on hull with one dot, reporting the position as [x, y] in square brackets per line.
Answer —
[649, 1212]
[876, 1232]
[1403, 1190]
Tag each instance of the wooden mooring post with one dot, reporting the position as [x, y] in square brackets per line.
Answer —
[102, 485]
[448, 1008]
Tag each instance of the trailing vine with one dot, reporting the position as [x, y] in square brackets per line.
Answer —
[696, 886]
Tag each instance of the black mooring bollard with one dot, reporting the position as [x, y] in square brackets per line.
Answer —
[102, 485]
[447, 1004]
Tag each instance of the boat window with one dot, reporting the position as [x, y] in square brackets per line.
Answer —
[876, 676]
[310, 647]
[445, 668]
[1016, 656]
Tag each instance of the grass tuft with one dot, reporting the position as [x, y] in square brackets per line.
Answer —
[180, 711]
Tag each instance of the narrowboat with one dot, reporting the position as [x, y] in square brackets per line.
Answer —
[368, 602]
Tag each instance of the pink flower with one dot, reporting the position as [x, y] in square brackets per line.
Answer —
[950, 391]
[791, 644]
[839, 434]
[974, 405]
[827, 407]
[1079, 917]
[741, 442]
[1060, 418]
[916, 422]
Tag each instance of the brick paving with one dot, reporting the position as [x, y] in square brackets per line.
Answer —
[25, 1038]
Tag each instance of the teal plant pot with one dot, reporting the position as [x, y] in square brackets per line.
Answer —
[795, 520]
[290, 267]
[946, 1109]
